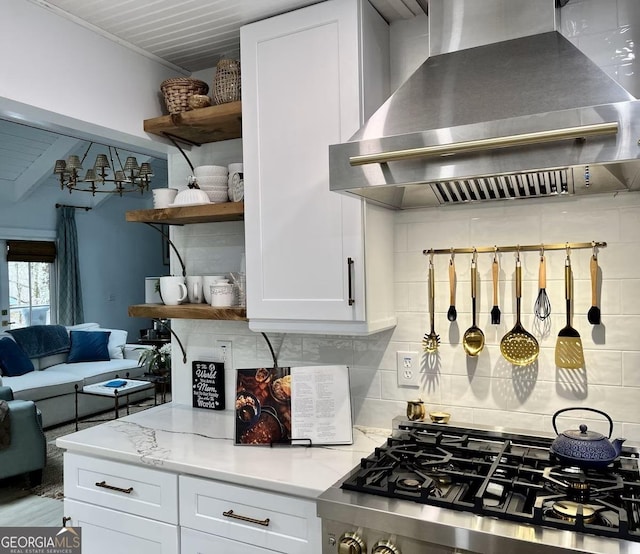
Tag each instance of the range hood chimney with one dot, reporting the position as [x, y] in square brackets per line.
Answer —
[481, 120]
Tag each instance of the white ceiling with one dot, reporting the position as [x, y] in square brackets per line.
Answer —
[189, 35]
[192, 34]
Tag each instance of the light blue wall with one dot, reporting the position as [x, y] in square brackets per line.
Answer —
[115, 256]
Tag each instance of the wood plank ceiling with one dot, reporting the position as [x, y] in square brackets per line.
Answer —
[192, 34]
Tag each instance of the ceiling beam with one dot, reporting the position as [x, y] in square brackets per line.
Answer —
[42, 169]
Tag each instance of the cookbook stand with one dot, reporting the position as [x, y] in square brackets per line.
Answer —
[292, 442]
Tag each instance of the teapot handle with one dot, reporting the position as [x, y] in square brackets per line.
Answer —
[553, 421]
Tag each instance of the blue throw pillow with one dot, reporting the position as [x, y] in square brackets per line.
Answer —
[13, 360]
[89, 346]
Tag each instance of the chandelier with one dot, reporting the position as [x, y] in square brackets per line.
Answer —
[129, 177]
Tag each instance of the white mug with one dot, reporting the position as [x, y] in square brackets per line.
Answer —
[163, 197]
[194, 288]
[173, 290]
[207, 281]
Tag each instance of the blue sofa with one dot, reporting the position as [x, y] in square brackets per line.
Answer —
[27, 451]
[51, 385]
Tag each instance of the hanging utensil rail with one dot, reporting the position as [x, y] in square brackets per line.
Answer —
[516, 248]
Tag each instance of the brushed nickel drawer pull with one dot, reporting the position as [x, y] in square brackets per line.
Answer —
[350, 263]
[230, 514]
[103, 484]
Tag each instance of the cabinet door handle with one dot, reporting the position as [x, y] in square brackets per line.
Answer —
[230, 514]
[104, 485]
[350, 280]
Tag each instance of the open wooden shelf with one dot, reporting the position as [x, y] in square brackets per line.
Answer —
[200, 126]
[187, 311]
[182, 215]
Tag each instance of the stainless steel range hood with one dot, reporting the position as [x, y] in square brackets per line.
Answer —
[523, 117]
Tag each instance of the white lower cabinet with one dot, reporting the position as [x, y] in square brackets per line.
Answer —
[197, 542]
[134, 508]
[121, 507]
[246, 520]
[106, 531]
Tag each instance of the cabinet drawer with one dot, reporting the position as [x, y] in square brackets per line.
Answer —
[197, 542]
[216, 508]
[107, 531]
[151, 493]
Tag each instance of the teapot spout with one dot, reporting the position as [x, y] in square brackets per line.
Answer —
[617, 445]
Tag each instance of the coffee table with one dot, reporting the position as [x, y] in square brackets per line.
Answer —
[100, 389]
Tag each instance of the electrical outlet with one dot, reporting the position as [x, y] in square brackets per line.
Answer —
[408, 367]
[226, 353]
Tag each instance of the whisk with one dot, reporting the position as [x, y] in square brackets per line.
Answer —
[542, 307]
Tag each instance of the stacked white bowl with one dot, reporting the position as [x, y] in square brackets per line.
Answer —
[213, 179]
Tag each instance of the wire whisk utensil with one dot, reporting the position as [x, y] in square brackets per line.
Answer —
[542, 307]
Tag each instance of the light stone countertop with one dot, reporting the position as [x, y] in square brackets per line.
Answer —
[199, 442]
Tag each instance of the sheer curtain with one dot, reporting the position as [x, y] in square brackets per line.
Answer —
[70, 310]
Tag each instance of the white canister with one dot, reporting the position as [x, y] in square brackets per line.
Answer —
[207, 281]
[163, 197]
[222, 295]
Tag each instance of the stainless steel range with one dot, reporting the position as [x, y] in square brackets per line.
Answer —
[439, 488]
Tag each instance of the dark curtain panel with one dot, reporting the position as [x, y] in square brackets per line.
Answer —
[70, 310]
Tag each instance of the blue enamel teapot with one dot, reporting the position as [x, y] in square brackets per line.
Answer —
[583, 448]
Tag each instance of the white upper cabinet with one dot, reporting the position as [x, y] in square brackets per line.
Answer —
[317, 261]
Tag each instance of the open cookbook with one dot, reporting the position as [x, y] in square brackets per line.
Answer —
[293, 405]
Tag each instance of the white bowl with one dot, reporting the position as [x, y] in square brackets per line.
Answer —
[217, 196]
[212, 180]
[235, 168]
[210, 170]
[191, 196]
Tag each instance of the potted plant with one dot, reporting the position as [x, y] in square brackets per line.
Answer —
[157, 360]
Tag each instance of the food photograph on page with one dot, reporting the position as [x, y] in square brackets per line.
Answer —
[263, 406]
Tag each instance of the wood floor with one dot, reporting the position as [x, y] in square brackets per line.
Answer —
[18, 509]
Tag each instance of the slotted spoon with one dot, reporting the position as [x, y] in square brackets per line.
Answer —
[431, 341]
[518, 346]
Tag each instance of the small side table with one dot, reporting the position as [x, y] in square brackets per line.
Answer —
[100, 389]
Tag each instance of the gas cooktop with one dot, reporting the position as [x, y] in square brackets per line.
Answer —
[507, 476]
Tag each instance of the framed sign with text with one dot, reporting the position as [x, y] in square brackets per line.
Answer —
[208, 385]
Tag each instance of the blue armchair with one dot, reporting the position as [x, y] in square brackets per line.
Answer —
[27, 452]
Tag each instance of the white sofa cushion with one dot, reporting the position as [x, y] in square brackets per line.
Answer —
[94, 372]
[37, 385]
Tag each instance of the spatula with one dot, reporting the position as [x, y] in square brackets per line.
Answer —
[569, 353]
[495, 311]
[451, 312]
[593, 315]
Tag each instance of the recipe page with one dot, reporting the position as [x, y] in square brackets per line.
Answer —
[321, 405]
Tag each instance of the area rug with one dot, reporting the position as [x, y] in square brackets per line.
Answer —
[52, 475]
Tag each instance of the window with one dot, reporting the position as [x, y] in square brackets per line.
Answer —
[30, 271]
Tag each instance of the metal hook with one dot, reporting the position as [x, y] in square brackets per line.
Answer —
[595, 250]
[542, 250]
[431, 254]
[518, 253]
[475, 255]
[568, 250]
[452, 255]
[495, 252]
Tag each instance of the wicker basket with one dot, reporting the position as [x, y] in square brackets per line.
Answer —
[177, 91]
[226, 84]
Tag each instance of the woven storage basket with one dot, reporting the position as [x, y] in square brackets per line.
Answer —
[226, 84]
[177, 91]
